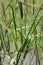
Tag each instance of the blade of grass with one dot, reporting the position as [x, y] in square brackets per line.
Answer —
[3, 9]
[14, 24]
[3, 41]
[34, 20]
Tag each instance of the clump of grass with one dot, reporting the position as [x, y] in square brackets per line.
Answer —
[28, 43]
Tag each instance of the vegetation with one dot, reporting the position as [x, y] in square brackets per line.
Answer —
[21, 25]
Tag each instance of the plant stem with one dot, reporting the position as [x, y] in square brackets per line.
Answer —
[33, 7]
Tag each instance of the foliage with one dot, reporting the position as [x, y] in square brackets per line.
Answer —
[23, 29]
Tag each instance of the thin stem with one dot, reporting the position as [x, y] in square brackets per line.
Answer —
[3, 8]
[33, 7]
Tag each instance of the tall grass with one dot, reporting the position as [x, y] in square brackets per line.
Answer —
[24, 41]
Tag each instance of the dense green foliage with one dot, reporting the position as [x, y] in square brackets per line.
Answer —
[22, 27]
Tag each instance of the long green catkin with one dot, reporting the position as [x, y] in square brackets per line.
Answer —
[21, 9]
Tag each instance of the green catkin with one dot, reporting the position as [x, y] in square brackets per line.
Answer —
[21, 10]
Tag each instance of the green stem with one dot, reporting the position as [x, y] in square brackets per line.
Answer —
[33, 7]
[14, 24]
